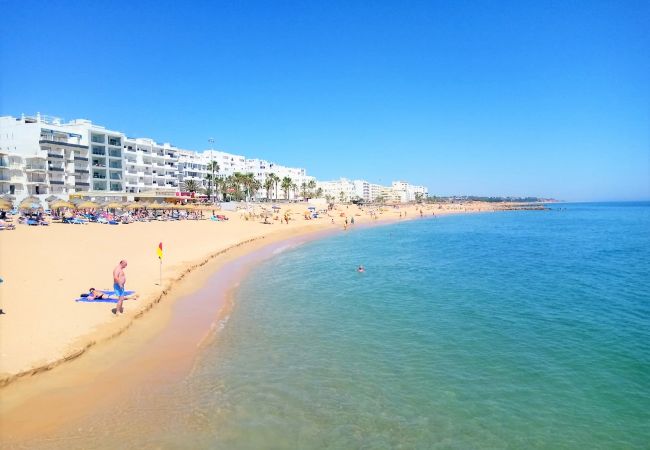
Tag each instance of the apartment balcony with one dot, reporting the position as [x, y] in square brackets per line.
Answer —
[57, 182]
[81, 184]
[81, 158]
[81, 171]
[55, 169]
[35, 168]
[54, 155]
[112, 154]
[61, 143]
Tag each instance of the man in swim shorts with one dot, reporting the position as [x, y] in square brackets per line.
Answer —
[119, 280]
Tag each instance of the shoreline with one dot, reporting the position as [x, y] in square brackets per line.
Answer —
[25, 409]
[19, 391]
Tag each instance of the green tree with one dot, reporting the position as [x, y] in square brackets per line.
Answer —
[342, 196]
[213, 168]
[269, 182]
[287, 183]
[190, 186]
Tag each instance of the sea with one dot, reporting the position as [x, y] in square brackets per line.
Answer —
[517, 329]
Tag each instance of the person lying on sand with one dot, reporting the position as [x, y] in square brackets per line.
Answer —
[96, 294]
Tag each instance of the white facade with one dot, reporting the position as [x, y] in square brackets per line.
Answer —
[408, 192]
[42, 156]
[346, 190]
[341, 190]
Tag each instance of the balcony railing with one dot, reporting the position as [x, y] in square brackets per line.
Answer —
[76, 183]
[61, 143]
[54, 155]
[113, 154]
[56, 182]
[56, 169]
[80, 158]
[81, 171]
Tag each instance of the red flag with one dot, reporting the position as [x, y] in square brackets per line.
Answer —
[160, 251]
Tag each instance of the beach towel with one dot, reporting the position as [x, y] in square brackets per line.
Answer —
[104, 300]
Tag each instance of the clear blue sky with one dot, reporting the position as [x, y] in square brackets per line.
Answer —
[548, 98]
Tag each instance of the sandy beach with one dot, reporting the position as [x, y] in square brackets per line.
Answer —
[46, 268]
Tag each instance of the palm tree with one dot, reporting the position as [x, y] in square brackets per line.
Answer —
[249, 183]
[342, 196]
[255, 185]
[213, 168]
[319, 192]
[294, 188]
[311, 186]
[268, 185]
[287, 182]
[190, 186]
[276, 180]
[303, 190]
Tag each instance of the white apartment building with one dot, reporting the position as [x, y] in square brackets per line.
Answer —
[228, 163]
[151, 166]
[346, 190]
[408, 192]
[341, 190]
[44, 156]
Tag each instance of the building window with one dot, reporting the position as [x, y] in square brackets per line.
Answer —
[99, 138]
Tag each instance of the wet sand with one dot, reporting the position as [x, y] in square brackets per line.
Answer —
[159, 350]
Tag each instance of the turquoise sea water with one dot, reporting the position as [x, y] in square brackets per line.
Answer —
[526, 329]
[514, 329]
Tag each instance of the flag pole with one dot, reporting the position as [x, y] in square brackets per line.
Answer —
[160, 255]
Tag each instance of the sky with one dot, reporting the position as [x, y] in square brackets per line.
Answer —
[541, 98]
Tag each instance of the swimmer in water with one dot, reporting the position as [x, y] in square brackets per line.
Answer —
[361, 269]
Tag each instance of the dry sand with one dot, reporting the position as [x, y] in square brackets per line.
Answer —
[46, 268]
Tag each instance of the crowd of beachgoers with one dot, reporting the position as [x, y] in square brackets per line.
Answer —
[32, 212]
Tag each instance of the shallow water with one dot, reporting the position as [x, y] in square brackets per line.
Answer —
[515, 329]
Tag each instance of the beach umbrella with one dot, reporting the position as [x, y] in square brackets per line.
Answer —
[133, 205]
[114, 205]
[52, 198]
[30, 203]
[9, 197]
[61, 204]
[87, 205]
[157, 205]
[5, 204]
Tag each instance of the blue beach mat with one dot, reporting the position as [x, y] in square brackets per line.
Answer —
[104, 300]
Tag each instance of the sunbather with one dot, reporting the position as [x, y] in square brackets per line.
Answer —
[96, 294]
